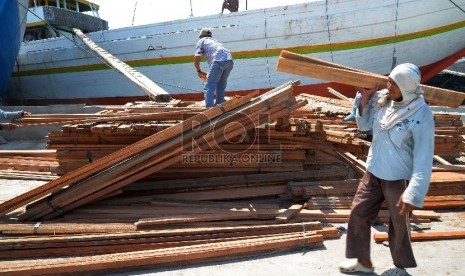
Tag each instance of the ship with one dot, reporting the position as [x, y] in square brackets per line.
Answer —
[370, 35]
[12, 27]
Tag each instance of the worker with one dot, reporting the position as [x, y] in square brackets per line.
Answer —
[230, 5]
[220, 64]
[398, 169]
[8, 116]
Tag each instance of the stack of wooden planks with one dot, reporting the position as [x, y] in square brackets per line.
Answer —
[120, 229]
[103, 253]
[147, 186]
[28, 164]
[449, 133]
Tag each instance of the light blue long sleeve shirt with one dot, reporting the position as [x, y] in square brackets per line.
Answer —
[403, 152]
[7, 116]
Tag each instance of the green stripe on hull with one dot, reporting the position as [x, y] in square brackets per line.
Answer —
[311, 49]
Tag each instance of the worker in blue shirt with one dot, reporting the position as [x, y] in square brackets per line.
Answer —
[398, 168]
[220, 64]
[7, 116]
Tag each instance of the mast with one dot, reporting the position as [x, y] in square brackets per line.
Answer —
[192, 13]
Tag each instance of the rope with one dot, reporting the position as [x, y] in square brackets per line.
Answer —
[266, 51]
[394, 58]
[446, 81]
[328, 29]
[134, 14]
[457, 6]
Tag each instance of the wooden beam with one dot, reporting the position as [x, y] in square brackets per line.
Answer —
[289, 213]
[426, 236]
[441, 160]
[154, 91]
[311, 67]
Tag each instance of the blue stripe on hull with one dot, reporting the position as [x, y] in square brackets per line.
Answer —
[9, 41]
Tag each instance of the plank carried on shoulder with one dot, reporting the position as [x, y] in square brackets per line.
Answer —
[293, 63]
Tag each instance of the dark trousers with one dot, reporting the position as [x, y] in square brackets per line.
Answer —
[370, 194]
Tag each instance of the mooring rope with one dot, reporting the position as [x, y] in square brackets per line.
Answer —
[460, 8]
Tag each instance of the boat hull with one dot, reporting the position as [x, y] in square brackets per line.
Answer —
[369, 35]
[12, 28]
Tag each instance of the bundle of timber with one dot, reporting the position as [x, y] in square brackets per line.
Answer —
[108, 217]
[442, 183]
[324, 115]
[104, 253]
[147, 185]
[288, 144]
[28, 164]
[449, 136]
[449, 202]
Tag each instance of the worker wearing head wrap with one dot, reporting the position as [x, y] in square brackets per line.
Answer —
[398, 168]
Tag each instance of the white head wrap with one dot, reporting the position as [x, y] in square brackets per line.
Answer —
[407, 77]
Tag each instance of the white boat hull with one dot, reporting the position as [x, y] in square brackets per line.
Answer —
[366, 34]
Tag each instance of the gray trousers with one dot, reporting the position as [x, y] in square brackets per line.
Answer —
[370, 194]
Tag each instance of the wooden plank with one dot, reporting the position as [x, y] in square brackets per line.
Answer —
[228, 194]
[339, 95]
[307, 66]
[441, 160]
[57, 228]
[426, 236]
[154, 91]
[289, 213]
[345, 213]
[194, 218]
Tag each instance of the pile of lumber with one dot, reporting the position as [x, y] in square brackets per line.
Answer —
[145, 186]
[292, 140]
[125, 221]
[449, 133]
[104, 253]
[28, 164]
[320, 120]
[450, 202]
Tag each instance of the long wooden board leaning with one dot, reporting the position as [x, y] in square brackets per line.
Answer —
[297, 64]
[152, 90]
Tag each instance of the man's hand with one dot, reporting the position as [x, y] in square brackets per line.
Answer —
[366, 95]
[368, 92]
[405, 208]
[202, 76]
